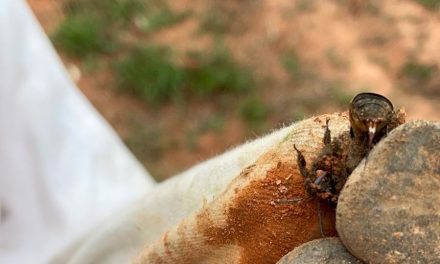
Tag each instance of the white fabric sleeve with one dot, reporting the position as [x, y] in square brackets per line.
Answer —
[62, 167]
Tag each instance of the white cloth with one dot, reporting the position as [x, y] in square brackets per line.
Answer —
[62, 168]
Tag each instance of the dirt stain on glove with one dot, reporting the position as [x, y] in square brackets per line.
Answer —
[250, 221]
[263, 228]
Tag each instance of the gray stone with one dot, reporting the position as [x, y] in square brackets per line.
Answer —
[319, 251]
[389, 209]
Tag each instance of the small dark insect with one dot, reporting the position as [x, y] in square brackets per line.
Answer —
[371, 117]
[327, 172]
[369, 114]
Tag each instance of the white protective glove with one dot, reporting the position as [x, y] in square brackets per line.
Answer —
[227, 209]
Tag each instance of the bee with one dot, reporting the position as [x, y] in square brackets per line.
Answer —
[371, 117]
[370, 114]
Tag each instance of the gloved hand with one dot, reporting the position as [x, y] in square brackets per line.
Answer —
[231, 209]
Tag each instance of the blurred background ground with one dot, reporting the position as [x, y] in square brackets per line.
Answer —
[182, 81]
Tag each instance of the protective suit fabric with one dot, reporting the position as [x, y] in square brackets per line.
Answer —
[63, 170]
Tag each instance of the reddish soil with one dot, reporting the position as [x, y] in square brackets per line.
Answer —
[363, 44]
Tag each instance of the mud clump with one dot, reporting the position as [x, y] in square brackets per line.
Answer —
[320, 251]
[388, 209]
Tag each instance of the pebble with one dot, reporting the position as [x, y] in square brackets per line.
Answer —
[389, 209]
[320, 251]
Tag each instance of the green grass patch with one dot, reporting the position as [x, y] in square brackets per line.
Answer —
[93, 64]
[305, 5]
[420, 78]
[147, 141]
[297, 114]
[151, 73]
[191, 136]
[429, 4]
[111, 11]
[214, 22]
[82, 35]
[292, 64]
[253, 111]
[149, 15]
[380, 61]
[218, 73]
[214, 123]
[97, 26]
[418, 72]
[336, 59]
[294, 67]
[159, 18]
[218, 17]
[339, 93]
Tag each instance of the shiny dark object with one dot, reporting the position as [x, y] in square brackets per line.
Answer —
[369, 113]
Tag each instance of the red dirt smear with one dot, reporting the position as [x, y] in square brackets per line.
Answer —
[169, 253]
[264, 229]
[166, 244]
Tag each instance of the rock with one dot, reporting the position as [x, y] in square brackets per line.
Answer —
[319, 251]
[389, 209]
